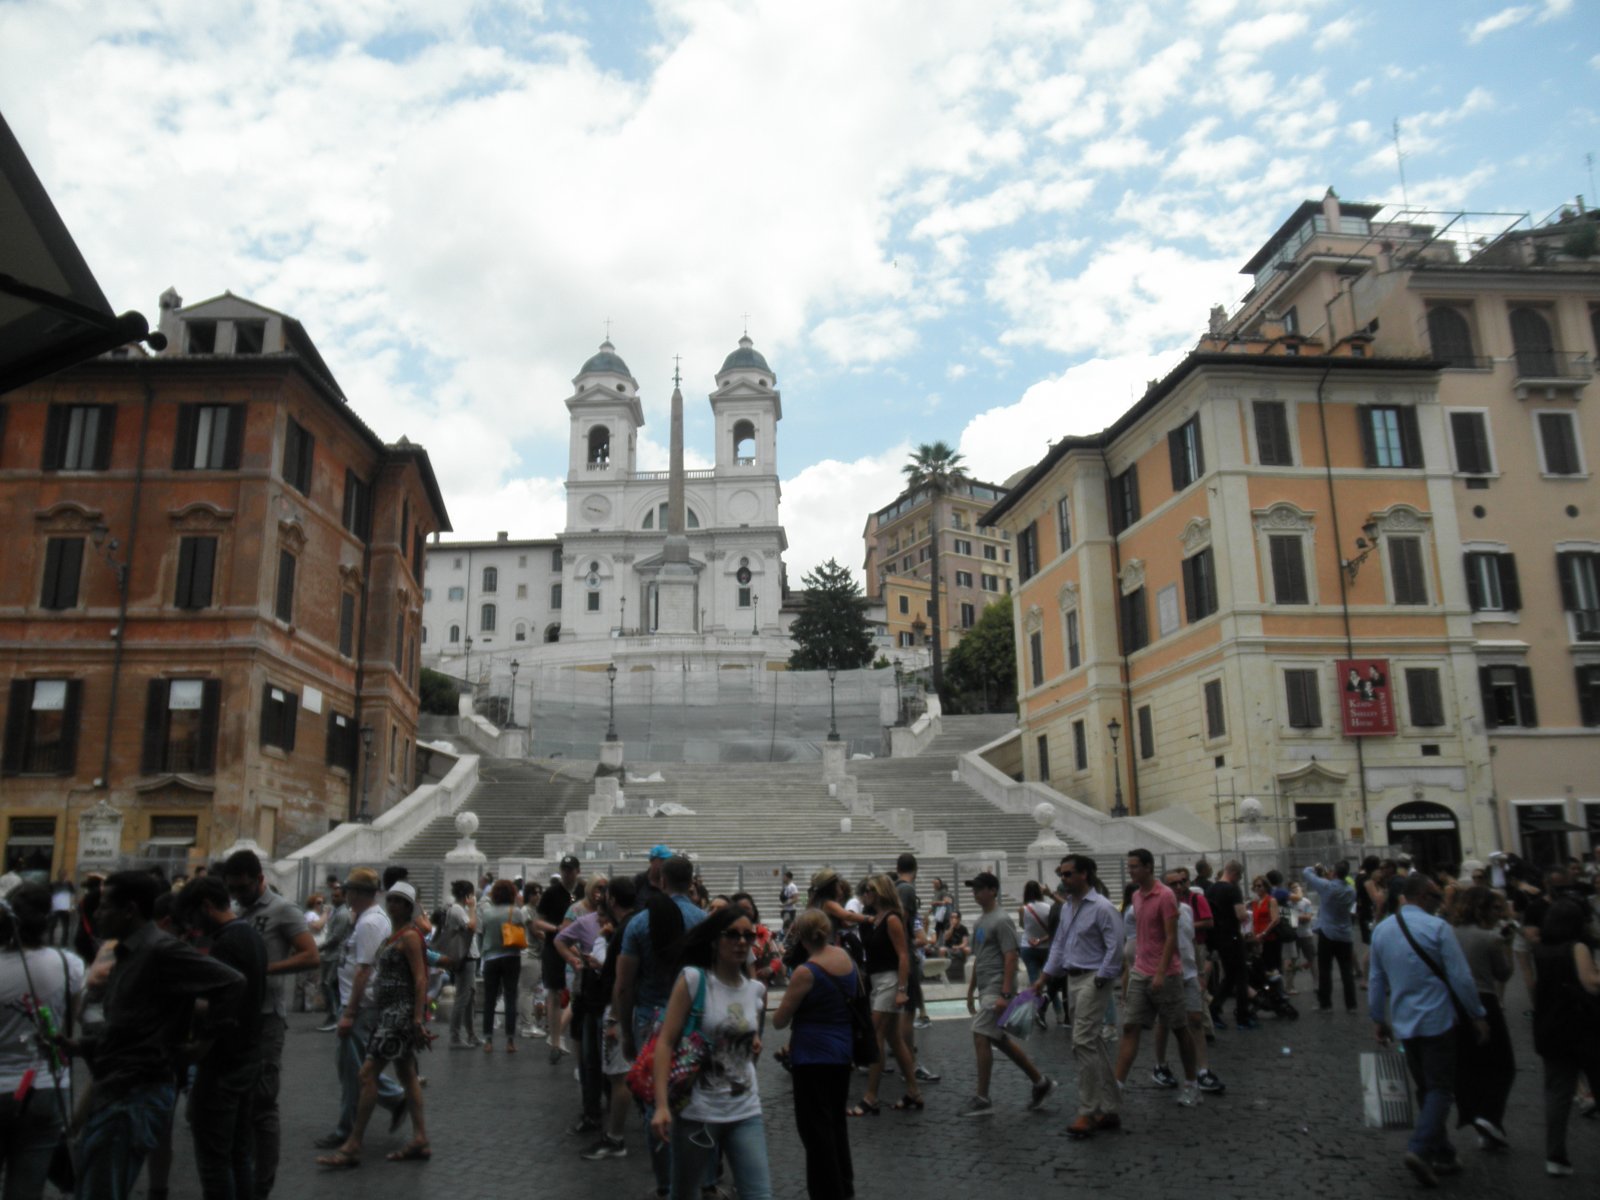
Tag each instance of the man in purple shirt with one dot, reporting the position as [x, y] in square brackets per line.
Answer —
[1087, 949]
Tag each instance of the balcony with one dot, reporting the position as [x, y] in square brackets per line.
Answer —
[1550, 373]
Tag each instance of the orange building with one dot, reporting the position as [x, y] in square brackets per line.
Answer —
[212, 594]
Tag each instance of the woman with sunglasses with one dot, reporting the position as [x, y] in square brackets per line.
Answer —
[724, 1108]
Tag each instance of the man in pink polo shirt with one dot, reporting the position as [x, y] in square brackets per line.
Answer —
[1155, 985]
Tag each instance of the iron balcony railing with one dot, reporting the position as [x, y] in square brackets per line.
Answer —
[1552, 364]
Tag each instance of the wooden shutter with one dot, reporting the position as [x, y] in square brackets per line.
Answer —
[1272, 434]
[1567, 570]
[1410, 438]
[1369, 444]
[55, 437]
[1216, 721]
[69, 727]
[1491, 718]
[16, 725]
[233, 452]
[183, 444]
[1134, 509]
[1191, 607]
[154, 757]
[1510, 585]
[1288, 569]
[268, 732]
[1147, 733]
[1423, 697]
[1526, 711]
[1471, 435]
[63, 567]
[284, 608]
[210, 719]
[1036, 656]
[1405, 561]
[185, 588]
[1474, 584]
[347, 624]
[1178, 460]
[1588, 697]
[104, 434]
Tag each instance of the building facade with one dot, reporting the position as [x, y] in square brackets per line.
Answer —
[211, 617]
[505, 596]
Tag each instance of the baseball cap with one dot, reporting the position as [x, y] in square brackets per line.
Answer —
[984, 879]
[570, 861]
[363, 879]
[660, 850]
[404, 889]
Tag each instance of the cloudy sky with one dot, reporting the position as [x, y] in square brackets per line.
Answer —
[989, 222]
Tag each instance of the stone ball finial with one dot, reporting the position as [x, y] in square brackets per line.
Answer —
[1044, 814]
[466, 824]
[1250, 810]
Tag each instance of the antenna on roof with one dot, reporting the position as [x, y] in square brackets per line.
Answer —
[1400, 164]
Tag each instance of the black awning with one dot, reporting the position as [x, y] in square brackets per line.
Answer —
[1552, 827]
[52, 312]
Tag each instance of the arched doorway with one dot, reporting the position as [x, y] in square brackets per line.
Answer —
[1428, 833]
[553, 633]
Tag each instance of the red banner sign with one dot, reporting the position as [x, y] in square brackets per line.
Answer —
[1365, 697]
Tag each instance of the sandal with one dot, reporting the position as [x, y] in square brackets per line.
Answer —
[864, 1108]
[909, 1103]
[511, 1047]
[339, 1160]
[415, 1152]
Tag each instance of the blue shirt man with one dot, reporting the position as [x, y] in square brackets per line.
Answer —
[1336, 901]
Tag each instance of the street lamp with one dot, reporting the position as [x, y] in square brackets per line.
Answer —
[468, 670]
[511, 717]
[1366, 544]
[899, 704]
[1114, 728]
[611, 716]
[755, 615]
[833, 723]
[366, 770]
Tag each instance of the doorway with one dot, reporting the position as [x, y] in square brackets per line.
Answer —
[1428, 834]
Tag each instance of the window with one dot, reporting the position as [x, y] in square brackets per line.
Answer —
[299, 449]
[521, 633]
[1147, 732]
[922, 555]
[42, 727]
[1216, 717]
[457, 564]
[1406, 572]
[1124, 499]
[905, 639]
[210, 437]
[991, 583]
[1288, 569]
[962, 546]
[969, 615]
[77, 437]
[964, 579]
[455, 635]
[202, 336]
[1074, 649]
[357, 513]
[283, 608]
[555, 596]
[1063, 525]
[399, 642]
[457, 593]
[522, 591]
[279, 710]
[905, 602]
[1424, 697]
[744, 600]
[1534, 347]
[1184, 449]
[555, 559]
[1305, 701]
[180, 726]
[1558, 443]
[907, 563]
[1080, 747]
[1389, 436]
[249, 336]
[343, 737]
[522, 560]
[592, 602]
[929, 606]
[1450, 336]
[1200, 585]
[427, 595]
[1043, 744]
[991, 553]
[1028, 552]
[1507, 697]
[1273, 447]
[197, 564]
[491, 580]
[1469, 432]
[1589, 694]
[1135, 622]
[486, 617]
[1579, 572]
[63, 568]
[1492, 582]
[1036, 656]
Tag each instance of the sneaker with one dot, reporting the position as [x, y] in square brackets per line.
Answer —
[1209, 1082]
[1041, 1093]
[1163, 1076]
[1558, 1167]
[1423, 1170]
[585, 1125]
[1491, 1134]
[328, 1028]
[532, 1031]
[606, 1147]
[922, 1023]
[923, 1074]
[1189, 1095]
[978, 1106]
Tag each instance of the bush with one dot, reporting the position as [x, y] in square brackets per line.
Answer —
[439, 694]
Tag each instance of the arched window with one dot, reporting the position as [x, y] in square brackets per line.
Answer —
[491, 579]
[1450, 336]
[521, 633]
[744, 444]
[599, 446]
[455, 635]
[486, 616]
[553, 633]
[691, 519]
[1530, 335]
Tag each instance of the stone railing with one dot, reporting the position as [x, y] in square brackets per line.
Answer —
[908, 741]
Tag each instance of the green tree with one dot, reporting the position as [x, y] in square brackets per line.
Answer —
[938, 469]
[832, 626]
[439, 695]
[982, 675]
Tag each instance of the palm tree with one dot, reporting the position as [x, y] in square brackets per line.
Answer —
[938, 469]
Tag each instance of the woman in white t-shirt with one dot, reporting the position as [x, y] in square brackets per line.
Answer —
[724, 1108]
[1034, 917]
[30, 1126]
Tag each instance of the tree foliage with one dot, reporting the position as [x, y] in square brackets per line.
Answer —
[981, 675]
[832, 627]
[439, 694]
[939, 468]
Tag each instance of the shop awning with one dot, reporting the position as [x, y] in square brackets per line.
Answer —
[52, 312]
[1552, 827]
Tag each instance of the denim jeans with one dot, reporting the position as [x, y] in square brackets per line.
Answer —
[118, 1136]
[352, 1053]
[1432, 1061]
[501, 973]
[742, 1143]
[264, 1117]
[29, 1132]
[220, 1107]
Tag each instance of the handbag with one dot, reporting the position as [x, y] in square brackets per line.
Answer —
[1385, 1090]
[863, 1034]
[1463, 1016]
[688, 1057]
[514, 935]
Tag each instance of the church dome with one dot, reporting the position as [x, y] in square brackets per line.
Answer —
[745, 358]
[607, 360]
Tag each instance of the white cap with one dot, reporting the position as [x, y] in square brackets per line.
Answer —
[402, 888]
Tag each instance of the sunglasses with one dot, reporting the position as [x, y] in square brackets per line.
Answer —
[739, 935]
[1065, 873]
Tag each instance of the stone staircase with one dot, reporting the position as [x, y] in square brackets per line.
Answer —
[517, 803]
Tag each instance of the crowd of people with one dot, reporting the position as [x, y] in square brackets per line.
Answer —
[659, 993]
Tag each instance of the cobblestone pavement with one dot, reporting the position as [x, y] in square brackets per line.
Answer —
[1290, 1122]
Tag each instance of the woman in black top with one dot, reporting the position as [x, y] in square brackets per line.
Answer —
[888, 948]
[1566, 1020]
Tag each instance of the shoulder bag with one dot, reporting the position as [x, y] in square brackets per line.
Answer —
[513, 933]
[688, 1057]
[863, 1035]
[1463, 1016]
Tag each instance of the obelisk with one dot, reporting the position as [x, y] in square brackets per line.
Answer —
[676, 584]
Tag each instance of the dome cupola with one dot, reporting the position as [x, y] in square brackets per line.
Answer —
[607, 361]
[746, 358]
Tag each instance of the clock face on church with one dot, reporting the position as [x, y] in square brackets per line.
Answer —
[597, 508]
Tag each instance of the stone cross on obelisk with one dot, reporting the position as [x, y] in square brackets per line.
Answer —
[676, 584]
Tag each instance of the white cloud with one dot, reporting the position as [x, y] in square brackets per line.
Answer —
[1253, 37]
[1118, 154]
[1499, 21]
[1340, 31]
[1211, 161]
[1159, 80]
[957, 371]
[872, 337]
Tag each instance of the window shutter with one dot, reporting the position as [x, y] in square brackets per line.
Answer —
[1133, 494]
[1177, 458]
[1474, 584]
[285, 600]
[1588, 698]
[105, 433]
[1296, 698]
[234, 450]
[1369, 445]
[1199, 447]
[291, 713]
[1191, 606]
[1526, 711]
[1410, 438]
[155, 726]
[16, 725]
[69, 727]
[269, 724]
[332, 753]
[55, 440]
[50, 587]
[1510, 587]
[183, 443]
[1147, 733]
[347, 624]
[1567, 569]
[210, 714]
[1486, 693]
[291, 453]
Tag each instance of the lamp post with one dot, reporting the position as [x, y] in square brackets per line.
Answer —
[611, 715]
[899, 704]
[366, 771]
[468, 670]
[1114, 728]
[511, 716]
[1366, 544]
[833, 723]
[755, 615]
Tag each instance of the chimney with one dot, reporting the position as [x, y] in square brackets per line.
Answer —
[1330, 210]
[502, 536]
